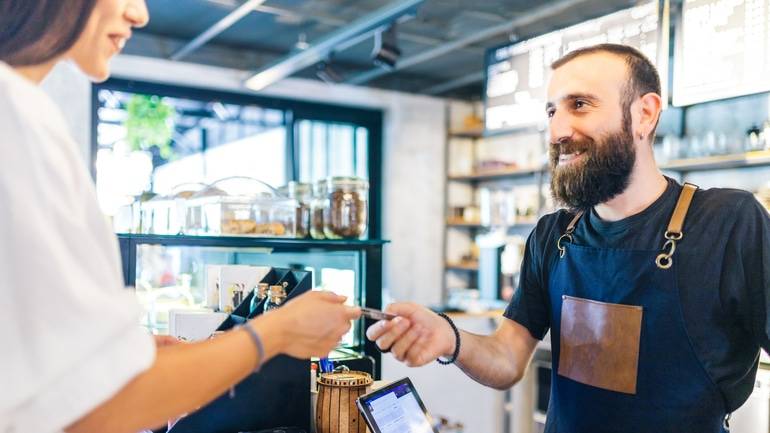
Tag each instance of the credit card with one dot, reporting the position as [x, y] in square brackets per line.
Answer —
[373, 314]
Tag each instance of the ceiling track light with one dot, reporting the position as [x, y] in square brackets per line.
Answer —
[386, 51]
[326, 72]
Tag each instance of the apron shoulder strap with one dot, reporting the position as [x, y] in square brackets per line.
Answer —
[675, 225]
[674, 231]
[573, 223]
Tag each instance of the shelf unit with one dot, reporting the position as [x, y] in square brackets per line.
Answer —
[459, 232]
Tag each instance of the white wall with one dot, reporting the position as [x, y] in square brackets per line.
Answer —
[413, 155]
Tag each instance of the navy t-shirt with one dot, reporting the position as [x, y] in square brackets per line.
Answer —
[723, 273]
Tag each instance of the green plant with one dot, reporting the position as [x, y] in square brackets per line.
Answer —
[150, 123]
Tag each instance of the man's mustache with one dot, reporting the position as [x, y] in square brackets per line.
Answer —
[564, 147]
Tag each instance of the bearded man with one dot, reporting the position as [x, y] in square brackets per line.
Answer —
[656, 294]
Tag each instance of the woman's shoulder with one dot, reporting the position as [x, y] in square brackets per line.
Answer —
[25, 109]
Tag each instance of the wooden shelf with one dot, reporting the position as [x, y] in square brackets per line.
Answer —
[459, 222]
[750, 159]
[497, 174]
[467, 133]
[463, 266]
[456, 222]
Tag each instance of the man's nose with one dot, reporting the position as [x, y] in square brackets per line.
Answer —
[560, 127]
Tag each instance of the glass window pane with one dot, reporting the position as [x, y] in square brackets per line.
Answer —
[149, 144]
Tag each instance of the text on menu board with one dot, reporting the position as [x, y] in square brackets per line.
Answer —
[723, 50]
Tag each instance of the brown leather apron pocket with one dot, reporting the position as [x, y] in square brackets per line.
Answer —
[599, 343]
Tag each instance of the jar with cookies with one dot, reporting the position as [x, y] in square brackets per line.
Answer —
[347, 208]
[243, 206]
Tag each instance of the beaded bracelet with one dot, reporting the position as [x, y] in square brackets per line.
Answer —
[257, 343]
[457, 342]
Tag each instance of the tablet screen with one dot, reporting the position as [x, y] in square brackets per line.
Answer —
[396, 408]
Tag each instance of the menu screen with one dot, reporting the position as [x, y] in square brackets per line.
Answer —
[723, 50]
[517, 74]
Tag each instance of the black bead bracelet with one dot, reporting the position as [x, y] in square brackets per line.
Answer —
[457, 342]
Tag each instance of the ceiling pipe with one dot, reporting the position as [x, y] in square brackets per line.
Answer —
[535, 15]
[220, 26]
[318, 51]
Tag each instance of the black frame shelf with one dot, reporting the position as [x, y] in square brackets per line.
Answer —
[370, 265]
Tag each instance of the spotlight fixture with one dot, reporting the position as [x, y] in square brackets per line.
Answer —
[386, 52]
[302, 42]
[327, 73]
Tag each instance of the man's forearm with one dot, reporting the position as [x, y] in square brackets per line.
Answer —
[489, 361]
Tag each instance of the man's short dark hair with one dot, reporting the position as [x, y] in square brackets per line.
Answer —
[643, 75]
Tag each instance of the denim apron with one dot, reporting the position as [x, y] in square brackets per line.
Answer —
[622, 359]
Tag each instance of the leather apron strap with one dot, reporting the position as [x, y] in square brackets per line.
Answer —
[674, 231]
[567, 236]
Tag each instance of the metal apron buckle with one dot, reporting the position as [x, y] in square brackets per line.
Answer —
[665, 260]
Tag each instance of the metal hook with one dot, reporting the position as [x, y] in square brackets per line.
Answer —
[563, 250]
[664, 260]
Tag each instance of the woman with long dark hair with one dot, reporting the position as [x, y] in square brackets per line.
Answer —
[73, 357]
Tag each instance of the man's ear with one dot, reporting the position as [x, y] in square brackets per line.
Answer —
[649, 107]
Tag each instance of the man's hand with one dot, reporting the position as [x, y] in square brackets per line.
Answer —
[416, 337]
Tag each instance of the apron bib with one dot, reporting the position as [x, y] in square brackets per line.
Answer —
[622, 359]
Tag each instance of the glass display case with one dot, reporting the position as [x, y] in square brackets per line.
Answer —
[174, 273]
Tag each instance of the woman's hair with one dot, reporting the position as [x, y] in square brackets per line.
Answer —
[36, 31]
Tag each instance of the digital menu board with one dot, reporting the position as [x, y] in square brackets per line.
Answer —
[517, 74]
[722, 50]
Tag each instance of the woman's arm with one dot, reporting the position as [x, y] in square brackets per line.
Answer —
[311, 325]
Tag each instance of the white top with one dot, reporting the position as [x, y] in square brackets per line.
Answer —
[69, 334]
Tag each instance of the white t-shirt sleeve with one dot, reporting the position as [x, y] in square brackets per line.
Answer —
[69, 338]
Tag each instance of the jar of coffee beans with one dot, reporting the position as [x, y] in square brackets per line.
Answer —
[347, 207]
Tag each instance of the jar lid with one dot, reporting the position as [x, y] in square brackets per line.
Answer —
[346, 379]
[319, 187]
[298, 188]
[351, 181]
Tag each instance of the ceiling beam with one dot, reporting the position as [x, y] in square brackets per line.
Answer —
[320, 50]
[331, 21]
[219, 27]
[533, 16]
[455, 83]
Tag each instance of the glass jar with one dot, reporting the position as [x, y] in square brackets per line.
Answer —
[276, 297]
[303, 194]
[317, 207]
[347, 207]
[240, 206]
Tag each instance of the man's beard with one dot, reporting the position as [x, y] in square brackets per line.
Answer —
[603, 171]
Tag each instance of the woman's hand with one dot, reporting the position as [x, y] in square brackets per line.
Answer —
[166, 340]
[310, 325]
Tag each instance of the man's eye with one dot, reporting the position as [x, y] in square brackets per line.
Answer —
[550, 113]
[580, 104]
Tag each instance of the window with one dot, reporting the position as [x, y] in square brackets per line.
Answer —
[331, 149]
[150, 144]
[150, 138]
